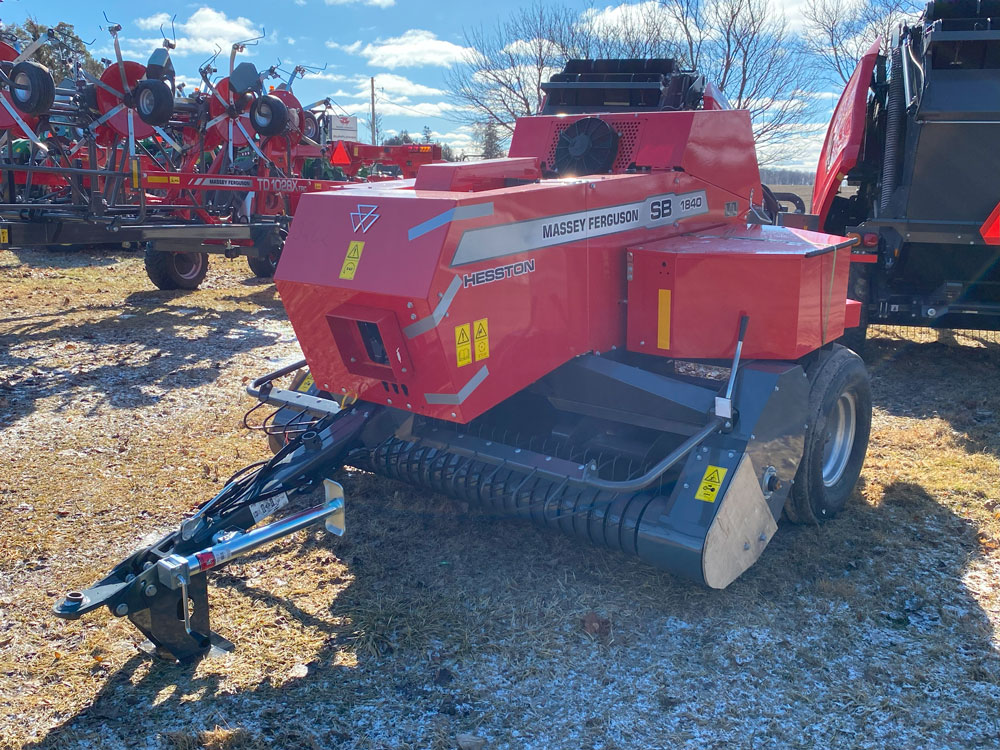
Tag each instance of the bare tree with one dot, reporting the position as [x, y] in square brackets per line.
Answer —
[839, 32]
[501, 78]
[745, 47]
[742, 45]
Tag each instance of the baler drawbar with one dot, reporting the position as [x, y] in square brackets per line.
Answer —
[608, 333]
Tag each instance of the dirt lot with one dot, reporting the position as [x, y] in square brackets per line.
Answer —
[121, 407]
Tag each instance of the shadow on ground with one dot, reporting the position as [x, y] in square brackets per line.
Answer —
[129, 354]
[958, 383]
[456, 619]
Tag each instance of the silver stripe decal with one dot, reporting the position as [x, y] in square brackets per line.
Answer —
[455, 399]
[430, 322]
[458, 213]
[518, 237]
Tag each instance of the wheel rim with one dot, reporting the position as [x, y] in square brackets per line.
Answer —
[263, 116]
[147, 102]
[841, 424]
[187, 265]
[22, 95]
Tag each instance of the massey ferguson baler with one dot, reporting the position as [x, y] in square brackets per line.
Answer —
[520, 333]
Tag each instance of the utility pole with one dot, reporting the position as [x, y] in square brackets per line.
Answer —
[373, 111]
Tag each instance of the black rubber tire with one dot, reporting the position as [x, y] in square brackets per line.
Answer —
[269, 115]
[154, 102]
[40, 93]
[175, 270]
[264, 266]
[310, 126]
[835, 372]
[857, 289]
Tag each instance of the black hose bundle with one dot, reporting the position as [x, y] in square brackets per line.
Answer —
[893, 131]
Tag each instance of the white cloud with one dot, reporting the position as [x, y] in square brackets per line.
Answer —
[397, 87]
[418, 109]
[796, 151]
[200, 34]
[413, 48]
[351, 49]
[374, 3]
[291, 40]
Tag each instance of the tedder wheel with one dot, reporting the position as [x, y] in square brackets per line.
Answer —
[840, 420]
[32, 88]
[269, 115]
[310, 126]
[154, 102]
[264, 266]
[175, 270]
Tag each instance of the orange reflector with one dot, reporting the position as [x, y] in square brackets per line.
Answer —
[663, 320]
[991, 227]
[340, 155]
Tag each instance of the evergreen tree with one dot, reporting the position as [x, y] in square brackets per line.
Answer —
[58, 58]
[489, 141]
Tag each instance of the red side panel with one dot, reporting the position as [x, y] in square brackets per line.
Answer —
[844, 137]
[686, 294]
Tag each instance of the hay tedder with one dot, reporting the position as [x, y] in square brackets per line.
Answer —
[918, 134]
[125, 158]
[603, 333]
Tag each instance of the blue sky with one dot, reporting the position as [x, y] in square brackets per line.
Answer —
[408, 46]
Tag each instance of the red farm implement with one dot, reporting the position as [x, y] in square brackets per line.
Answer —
[520, 333]
[123, 158]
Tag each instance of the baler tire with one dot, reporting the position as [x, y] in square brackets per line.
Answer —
[40, 91]
[167, 274]
[264, 266]
[839, 384]
[154, 102]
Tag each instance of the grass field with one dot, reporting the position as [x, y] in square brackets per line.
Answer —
[121, 408]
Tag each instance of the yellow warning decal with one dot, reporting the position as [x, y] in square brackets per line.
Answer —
[663, 320]
[351, 260]
[4, 236]
[157, 178]
[175, 180]
[482, 330]
[306, 384]
[710, 483]
[135, 173]
[463, 345]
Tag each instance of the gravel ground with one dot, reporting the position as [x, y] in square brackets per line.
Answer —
[430, 626]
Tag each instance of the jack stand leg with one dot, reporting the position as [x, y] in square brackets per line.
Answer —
[163, 624]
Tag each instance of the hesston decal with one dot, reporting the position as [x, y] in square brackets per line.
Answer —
[489, 275]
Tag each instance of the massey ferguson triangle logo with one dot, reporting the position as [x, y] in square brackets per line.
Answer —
[364, 218]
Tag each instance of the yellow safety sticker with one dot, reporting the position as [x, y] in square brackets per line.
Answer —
[482, 331]
[663, 320]
[351, 260]
[135, 173]
[710, 483]
[175, 180]
[4, 236]
[306, 384]
[463, 345]
[154, 179]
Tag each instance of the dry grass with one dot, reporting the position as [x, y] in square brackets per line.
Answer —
[120, 407]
